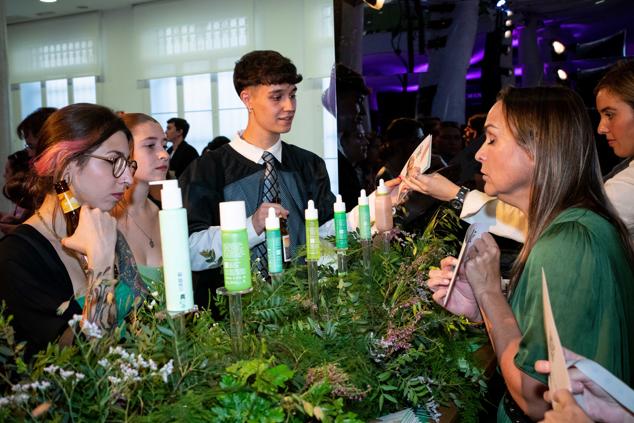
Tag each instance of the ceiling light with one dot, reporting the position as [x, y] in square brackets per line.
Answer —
[509, 13]
[508, 22]
[559, 47]
[374, 4]
[48, 1]
[562, 74]
[500, 3]
[507, 34]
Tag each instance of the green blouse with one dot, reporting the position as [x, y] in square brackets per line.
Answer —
[591, 288]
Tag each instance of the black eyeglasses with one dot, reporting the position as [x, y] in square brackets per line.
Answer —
[119, 163]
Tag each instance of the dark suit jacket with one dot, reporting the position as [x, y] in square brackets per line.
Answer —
[183, 156]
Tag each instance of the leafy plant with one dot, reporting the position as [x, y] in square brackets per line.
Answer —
[375, 343]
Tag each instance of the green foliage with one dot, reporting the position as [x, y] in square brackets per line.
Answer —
[375, 343]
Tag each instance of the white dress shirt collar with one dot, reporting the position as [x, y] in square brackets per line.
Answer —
[253, 152]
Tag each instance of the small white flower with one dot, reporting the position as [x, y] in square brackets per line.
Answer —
[103, 362]
[152, 365]
[76, 319]
[21, 398]
[167, 370]
[114, 380]
[128, 372]
[51, 369]
[91, 330]
[65, 374]
[42, 385]
[20, 388]
[79, 376]
[5, 401]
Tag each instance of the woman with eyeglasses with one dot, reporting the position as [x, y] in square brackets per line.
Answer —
[137, 216]
[47, 276]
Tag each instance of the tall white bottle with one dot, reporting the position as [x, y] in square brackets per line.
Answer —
[179, 294]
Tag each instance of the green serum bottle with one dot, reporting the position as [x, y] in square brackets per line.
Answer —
[274, 243]
[236, 256]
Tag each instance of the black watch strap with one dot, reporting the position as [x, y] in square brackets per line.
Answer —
[458, 201]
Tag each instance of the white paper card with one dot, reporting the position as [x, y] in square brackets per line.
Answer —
[474, 232]
[421, 159]
[558, 378]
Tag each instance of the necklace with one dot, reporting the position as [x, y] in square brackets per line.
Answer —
[48, 228]
[151, 241]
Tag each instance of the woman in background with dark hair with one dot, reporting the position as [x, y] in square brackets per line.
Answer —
[540, 157]
[615, 104]
[48, 277]
[16, 170]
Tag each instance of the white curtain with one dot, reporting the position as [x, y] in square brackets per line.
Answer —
[55, 48]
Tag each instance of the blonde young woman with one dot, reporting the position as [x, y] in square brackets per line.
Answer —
[137, 216]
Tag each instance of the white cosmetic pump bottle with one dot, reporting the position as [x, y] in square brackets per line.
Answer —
[179, 294]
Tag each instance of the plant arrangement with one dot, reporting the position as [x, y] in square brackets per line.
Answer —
[376, 343]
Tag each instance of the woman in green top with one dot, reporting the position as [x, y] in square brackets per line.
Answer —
[539, 156]
[137, 216]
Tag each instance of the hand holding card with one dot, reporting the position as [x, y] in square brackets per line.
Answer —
[558, 378]
[418, 163]
[474, 232]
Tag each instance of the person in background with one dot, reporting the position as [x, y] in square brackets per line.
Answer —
[29, 129]
[474, 128]
[540, 157]
[448, 143]
[181, 153]
[48, 277]
[615, 103]
[16, 170]
[401, 138]
[137, 216]
[352, 125]
[266, 82]
[216, 143]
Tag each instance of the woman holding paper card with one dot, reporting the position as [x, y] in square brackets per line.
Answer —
[539, 156]
[615, 104]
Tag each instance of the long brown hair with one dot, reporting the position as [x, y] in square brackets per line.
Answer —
[132, 120]
[553, 126]
[619, 80]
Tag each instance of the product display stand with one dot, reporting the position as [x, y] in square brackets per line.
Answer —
[235, 316]
[342, 262]
[385, 242]
[313, 280]
[366, 251]
[175, 314]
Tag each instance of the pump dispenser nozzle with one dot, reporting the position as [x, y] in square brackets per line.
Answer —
[340, 206]
[382, 189]
[363, 198]
[272, 221]
[311, 212]
[170, 194]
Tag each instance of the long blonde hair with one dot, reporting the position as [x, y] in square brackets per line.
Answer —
[553, 126]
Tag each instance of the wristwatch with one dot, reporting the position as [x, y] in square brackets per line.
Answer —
[458, 201]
